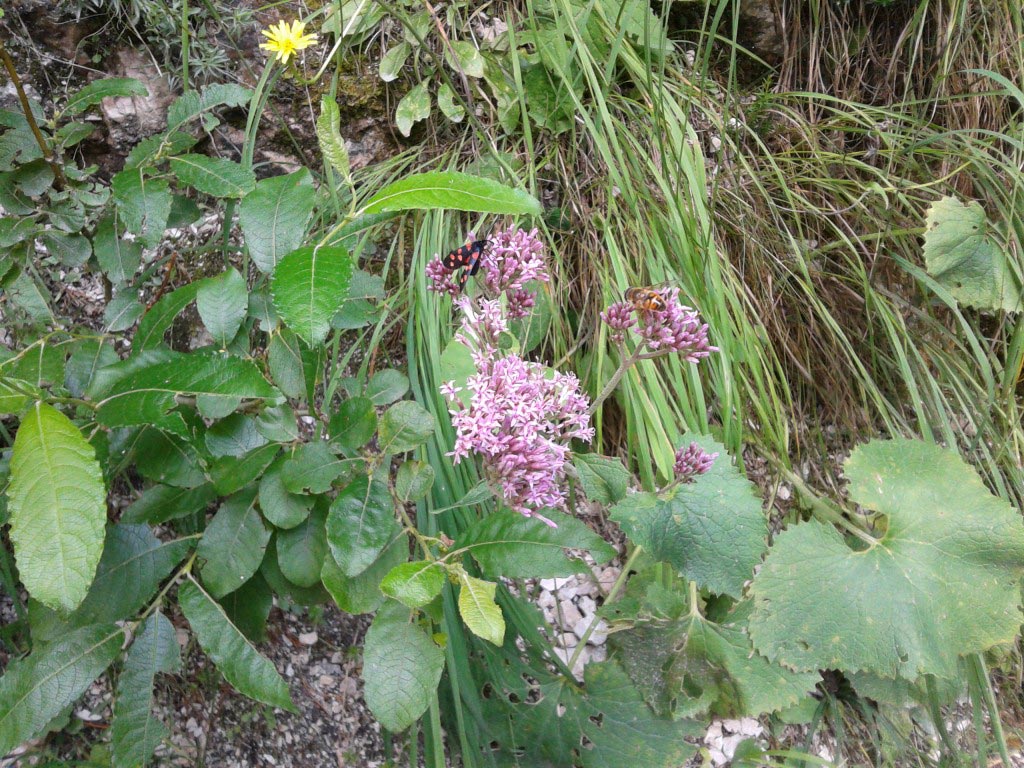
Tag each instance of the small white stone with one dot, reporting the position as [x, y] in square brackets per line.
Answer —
[729, 744]
[731, 726]
[718, 756]
[308, 638]
[326, 681]
[546, 599]
[783, 493]
[600, 653]
[569, 614]
[714, 732]
[716, 143]
[587, 606]
[750, 727]
[567, 640]
[600, 633]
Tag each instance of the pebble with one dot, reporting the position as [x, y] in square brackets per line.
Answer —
[308, 638]
[569, 614]
[587, 606]
[567, 639]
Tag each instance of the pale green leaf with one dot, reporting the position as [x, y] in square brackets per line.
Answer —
[413, 480]
[467, 58]
[479, 611]
[943, 581]
[413, 107]
[393, 60]
[240, 663]
[309, 285]
[118, 258]
[274, 217]
[215, 176]
[98, 90]
[456, 191]
[58, 508]
[332, 145]
[143, 204]
[405, 426]
[415, 584]
[604, 479]
[447, 104]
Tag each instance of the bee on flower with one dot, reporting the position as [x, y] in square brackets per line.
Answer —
[283, 40]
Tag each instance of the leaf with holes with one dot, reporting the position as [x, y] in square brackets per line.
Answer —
[58, 508]
[413, 107]
[943, 581]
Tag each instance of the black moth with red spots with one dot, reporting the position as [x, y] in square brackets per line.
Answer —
[467, 257]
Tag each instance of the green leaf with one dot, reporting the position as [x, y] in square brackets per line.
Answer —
[278, 424]
[290, 362]
[415, 584]
[161, 503]
[413, 480]
[230, 474]
[122, 311]
[274, 217]
[146, 395]
[604, 479]
[118, 258]
[479, 611]
[332, 145]
[168, 459]
[242, 666]
[393, 60]
[249, 606]
[506, 543]
[133, 565]
[413, 107]
[943, 581]
[405, 426]
[35, 689]
[58, 507]
[143, 204]
[712, 531]
[309, 285]
[215, 176]
[41, 364]
[353, 424]
[447, 104]
[312, 467]
[284, 589]
[223, 302]
[90, 356]
[360, 523]
[457, 191]
[234, 436]
[283, 509]
[233, 544]
[136, 731]
[301, 550]
[161, 315]
[13, 397]
[962, 256]
[193, 103]
[98, 90]
[362, 593]
[72, 249]
[467, 58]
[401, 669]
[387, 386]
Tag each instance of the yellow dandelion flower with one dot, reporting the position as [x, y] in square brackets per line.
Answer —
[284, 40]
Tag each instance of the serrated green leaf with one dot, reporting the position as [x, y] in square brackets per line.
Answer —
[712, 531]
[98, 90]
[135, 731]
[413, 107]
[193, 104]
[118, 258]
[168, 459]
[413, 480]
[467, 58]
[234, 436]
[506, 543]
[360, 523]
[362, 593]
[215, 176]
[332, 145]
[249, 606]
[604, 479]
[223, 302]
[35, 689]
[160, 503]
[456, 191]
[242, 666]
[447, 104]
[301, 550]
[415, 584]
[279, 506]
[16, 395]
[309, 285]
[58, 507]
[291, 363]
[41, 364]
[401, 669]
[143, 204]
[312, 467]
[233, 544]
[133, 565]
[943, 581]
[479, 611]
[72, 249]
[122, 311]
[90, 356]
[274, 216]
[405, 426]
[960, 253]
[387, 386]
[353, 424]
[393, 60]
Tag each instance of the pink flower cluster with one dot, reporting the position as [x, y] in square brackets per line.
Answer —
[521, 416]
[676, 328]
[692, 461]
[512, 258]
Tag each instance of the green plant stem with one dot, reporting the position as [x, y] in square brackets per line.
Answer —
[612, 593]
[184, 569]
[936, 712]
[977, 662]
[59, 180]
[184, 47]
[613, 382]
[821, 508]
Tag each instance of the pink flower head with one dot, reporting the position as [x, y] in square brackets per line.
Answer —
[441, 278]
[513, 258]
[676, 328]
[692, 461]
[619, 317]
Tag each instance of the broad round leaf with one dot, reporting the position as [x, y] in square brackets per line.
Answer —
[943, 581]
[457, 191]
[353, 424]
[413, 480]
[309, 286]
[404, 426]
[401, 668]
[301, 550]
[58, 508]
[362, 593]
[233, 544]
[360, 524]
